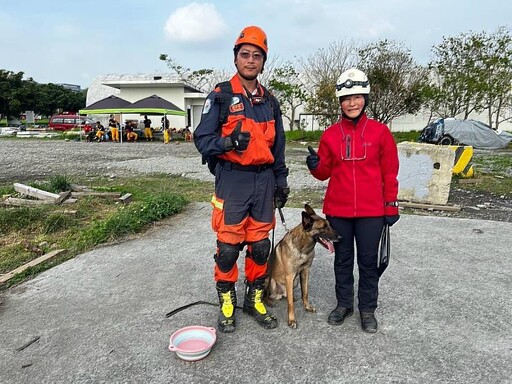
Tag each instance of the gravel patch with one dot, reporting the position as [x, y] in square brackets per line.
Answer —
[31, 159]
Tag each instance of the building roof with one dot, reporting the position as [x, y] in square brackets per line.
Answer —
[111, 84]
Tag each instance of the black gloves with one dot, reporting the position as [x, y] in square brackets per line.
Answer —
[281, 196]
[238, 140]
[390, 220]
[312, 160]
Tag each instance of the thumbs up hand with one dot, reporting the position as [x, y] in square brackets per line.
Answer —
[240, 139]
[312, 160]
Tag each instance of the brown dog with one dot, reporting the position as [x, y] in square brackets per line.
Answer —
[293, 257]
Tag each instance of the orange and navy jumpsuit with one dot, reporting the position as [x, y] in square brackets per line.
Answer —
[245, 182]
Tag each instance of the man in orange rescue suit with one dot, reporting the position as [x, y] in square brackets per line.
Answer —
[250, 177]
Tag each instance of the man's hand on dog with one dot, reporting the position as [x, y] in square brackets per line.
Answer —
[238, 140]
[312, 160]
[281, 196]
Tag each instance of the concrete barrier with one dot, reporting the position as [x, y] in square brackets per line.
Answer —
[425, 172]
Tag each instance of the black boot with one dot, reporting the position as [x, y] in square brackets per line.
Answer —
[227, 302]
[253, 304]
[338, 316]
[368, 322]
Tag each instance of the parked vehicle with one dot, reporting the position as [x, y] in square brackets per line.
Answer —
[452, 131]
[68, 122]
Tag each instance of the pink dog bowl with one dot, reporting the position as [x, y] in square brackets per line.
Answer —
[193, 343]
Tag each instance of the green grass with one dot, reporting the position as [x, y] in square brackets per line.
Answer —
[28, 232]
[494, 172]
[406, 136]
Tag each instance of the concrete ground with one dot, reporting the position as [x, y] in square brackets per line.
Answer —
[444, 314]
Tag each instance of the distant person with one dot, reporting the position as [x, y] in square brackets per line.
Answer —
[167, 135]
[359, 156]
[187, 134]
[114, 129]
[165, 122]
[100, 133]
[148, 132]
[131, 135]
[91, 135]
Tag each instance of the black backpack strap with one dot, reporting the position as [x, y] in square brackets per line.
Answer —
[273, 103]
[223, 98]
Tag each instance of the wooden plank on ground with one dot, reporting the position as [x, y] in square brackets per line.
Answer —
[451, 208]
[80, 188]
[113, 195]
[39, 260]
[63, 196]
[35, 192]
[16, 201]
[126, 198]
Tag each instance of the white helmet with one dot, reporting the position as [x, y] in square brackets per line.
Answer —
[352, 82]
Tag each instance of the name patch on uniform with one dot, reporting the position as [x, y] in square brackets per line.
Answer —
[236, 108]
[207, 106]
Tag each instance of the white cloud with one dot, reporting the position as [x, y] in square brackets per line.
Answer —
[195, 23]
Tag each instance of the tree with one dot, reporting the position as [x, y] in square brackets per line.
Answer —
[397, 82]
[320, 71]
[10, 85]
[289, 90]
[18, 95]
[495, 96]
[454, 76]
[472, 72]
[199, 79]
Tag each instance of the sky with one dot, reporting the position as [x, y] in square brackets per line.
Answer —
[74, 41]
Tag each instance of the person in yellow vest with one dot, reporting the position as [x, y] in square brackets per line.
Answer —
[114, 130]
[148, 132]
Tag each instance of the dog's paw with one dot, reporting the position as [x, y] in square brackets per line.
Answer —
[292, 324]
[310, 308]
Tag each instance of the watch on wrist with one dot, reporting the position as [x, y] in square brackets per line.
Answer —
[392, 204]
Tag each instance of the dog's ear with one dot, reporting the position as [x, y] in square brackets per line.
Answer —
[309, 210]
[307, 221]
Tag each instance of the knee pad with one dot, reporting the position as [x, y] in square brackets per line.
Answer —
[226, 256]
[260, 251]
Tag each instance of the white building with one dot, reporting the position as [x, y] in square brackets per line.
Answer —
[135, 87]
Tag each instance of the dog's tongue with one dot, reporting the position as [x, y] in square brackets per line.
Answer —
[327, 244]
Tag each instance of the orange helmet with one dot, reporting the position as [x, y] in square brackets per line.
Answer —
[255, 36]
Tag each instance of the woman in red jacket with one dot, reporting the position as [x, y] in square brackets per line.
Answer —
[359, 157]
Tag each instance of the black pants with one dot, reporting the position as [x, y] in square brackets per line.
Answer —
[366, 231]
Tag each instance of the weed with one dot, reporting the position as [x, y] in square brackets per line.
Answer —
[18, 218]
[56, 222]
[59, 183]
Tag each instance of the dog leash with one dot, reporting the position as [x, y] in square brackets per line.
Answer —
[175, 311]
[282, 219]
